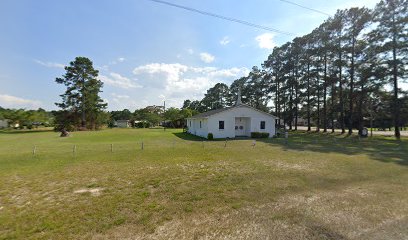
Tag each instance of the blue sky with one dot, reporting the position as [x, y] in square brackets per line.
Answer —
[146, 52]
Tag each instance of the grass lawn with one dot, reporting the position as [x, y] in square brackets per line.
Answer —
[317, 186]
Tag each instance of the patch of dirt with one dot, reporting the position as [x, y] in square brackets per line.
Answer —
[300, 166]
[92, 191]
[293, 166]
[347, 213]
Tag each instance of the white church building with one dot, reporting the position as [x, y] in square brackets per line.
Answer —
[236, 121]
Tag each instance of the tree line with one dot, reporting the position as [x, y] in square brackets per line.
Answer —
[344, 72]
[151, 116]
[83, 109]
[21, 118]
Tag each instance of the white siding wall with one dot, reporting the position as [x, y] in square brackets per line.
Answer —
[229, 122]
[229, 125]
[195, 127]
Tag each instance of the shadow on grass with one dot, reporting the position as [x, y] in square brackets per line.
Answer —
[189, 137]
[25, 131]
[384, 149]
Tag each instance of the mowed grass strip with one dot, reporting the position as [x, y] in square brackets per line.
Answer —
[104, 185]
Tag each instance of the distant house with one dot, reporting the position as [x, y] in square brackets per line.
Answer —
[122, 123]
[236, 121]
[302, 122]
[4, 123]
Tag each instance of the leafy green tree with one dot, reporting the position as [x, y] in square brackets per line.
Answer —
[356, 20]
[216, 96]
[173, 114]
[337, 36]
[125, 114]
[391, 40]
[238, 84]
[186, 104]
[81, 97]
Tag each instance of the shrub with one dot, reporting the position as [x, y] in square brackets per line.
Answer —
[210, 136]
[255, 134]
[142, 124]
[259, 134]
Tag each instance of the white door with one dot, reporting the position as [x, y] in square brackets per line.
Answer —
[239, 130]
[240, 126]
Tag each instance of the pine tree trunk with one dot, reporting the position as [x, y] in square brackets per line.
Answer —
[318, 105]
[308, 97]
[395, 80]
[332, 105]
[296, 99]
[360, 110]
[324, 94]
[350, 120]
[341, 95]
[83, 116]
[291, 106]
[278, 99]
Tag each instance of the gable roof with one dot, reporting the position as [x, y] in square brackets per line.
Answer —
[216, 111]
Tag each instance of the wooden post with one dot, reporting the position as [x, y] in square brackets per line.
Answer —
[34, 149]
[74, 150]
[225, 145]
[142, 145]
[111, 147]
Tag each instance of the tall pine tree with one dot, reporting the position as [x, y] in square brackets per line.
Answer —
[81, 100]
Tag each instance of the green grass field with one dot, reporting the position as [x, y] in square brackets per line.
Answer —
[316, 186]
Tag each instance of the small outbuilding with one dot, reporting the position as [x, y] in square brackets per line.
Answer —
[4, 123]
[123, 123]
[239, 120]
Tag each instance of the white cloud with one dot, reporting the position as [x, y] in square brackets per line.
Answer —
[121, 101]
[118, 60]
[225, 40]
[206, 57]
[190, 51]
[117, 80]
[9, 101]
[231, 72]
[160, 71]
[50, 64]
[265, 41]
[118, 96]
[177, 82]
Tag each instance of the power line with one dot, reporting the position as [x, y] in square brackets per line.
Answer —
[224, 18]
[308, 8]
